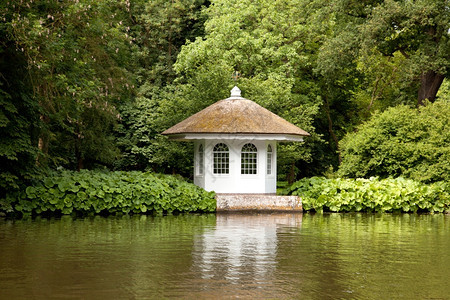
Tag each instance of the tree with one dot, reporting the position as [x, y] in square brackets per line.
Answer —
[159, 28]
[74, 56]
[401, 141]
[19, 119]
[419, 30]
[372, 56]
[401, 47]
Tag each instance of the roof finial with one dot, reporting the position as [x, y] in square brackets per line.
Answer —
[235, 92]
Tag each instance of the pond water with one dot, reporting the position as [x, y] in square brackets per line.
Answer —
[300, 256]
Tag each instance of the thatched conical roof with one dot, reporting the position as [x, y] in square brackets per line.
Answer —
[235, 115]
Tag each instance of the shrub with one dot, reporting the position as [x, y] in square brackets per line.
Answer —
[371, 195]
[89, 192]
[402, 141]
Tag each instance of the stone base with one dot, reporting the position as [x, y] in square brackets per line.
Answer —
[257, 202]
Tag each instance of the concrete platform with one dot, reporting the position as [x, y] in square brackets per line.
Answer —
[258, 202]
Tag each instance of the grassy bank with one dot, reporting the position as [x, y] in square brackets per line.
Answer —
[91, 192]
[371, 195]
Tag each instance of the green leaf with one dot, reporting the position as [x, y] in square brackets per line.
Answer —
[31, 192]
[53, 200]
[48, 182]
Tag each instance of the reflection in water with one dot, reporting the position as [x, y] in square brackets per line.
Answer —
[294, 256]
[241, 250]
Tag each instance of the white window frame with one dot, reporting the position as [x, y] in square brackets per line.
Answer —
[249, 159]
[201, 160]
[221, 159]
[269, 167]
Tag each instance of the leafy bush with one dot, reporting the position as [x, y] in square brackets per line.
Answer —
[401, 141]
[371, 195]
[114, 192]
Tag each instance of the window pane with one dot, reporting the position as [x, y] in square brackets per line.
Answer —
[201, 160]
[249, 154]
[269, 160]
[221, 159]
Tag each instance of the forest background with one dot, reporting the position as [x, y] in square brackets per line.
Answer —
[91, 84]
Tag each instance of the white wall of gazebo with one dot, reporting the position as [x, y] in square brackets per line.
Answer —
[236, 165]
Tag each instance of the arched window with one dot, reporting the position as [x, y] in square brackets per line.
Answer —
[249, 155]
[269, 160]
[221, 156]
[201, 160]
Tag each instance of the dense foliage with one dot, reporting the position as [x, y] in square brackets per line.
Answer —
[371, 195]
[92, 83]
[62, 75]
[74, 55]
[19, 123]
[89, 192]
[311, 62]
[159, 29]
[401, 141]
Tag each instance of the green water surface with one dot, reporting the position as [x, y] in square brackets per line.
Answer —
[250, 256]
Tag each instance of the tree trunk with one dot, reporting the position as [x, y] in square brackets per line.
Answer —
[80, 164]
[330, 129]
[430, 82]
[291, 175]
[41, 159]
[78, 153]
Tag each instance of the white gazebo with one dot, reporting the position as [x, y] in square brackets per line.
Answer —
[236, 145]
